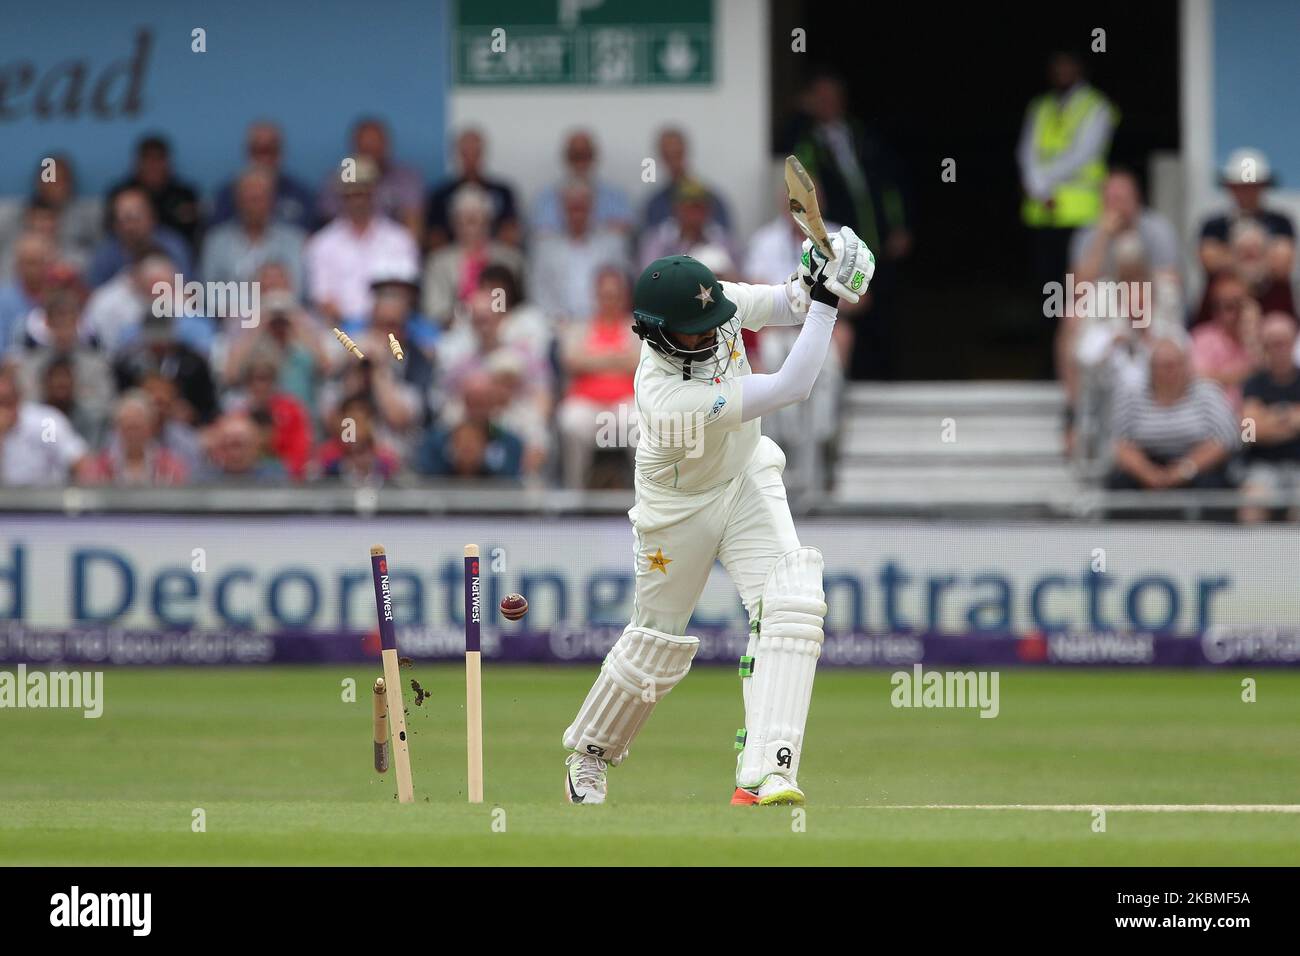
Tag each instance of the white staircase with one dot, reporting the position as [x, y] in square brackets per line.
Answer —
[1004, 450]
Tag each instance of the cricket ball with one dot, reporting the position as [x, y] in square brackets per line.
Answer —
[514, 606]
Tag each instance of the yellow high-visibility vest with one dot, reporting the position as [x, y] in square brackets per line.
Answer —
[1077, 201]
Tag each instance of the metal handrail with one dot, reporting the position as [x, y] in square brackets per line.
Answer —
[315, 499]
[441, 499]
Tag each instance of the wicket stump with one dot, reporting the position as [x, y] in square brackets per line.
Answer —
[473, 675]
[381, 727]
[392, 677]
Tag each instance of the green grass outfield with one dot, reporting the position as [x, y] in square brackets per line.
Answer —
[282, 768]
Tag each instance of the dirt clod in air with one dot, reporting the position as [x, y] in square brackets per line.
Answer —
[405, 662]
[420, 693]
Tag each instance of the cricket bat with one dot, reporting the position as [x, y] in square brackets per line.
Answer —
[803, 205]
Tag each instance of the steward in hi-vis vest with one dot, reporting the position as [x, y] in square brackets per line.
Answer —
[1063, 157]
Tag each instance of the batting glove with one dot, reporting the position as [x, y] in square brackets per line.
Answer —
[845, 276]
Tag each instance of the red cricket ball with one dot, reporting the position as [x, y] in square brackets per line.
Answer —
[514, 606]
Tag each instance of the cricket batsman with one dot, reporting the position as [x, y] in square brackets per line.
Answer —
[709, 487]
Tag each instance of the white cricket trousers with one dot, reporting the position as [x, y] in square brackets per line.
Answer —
[744, 523]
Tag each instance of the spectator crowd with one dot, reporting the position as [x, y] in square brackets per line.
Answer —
[1176, 390]
[514, 318]
[1175, 377]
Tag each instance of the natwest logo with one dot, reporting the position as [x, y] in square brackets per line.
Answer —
[387, 593]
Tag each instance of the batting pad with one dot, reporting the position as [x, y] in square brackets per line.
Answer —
[638, 672]
[785, 651]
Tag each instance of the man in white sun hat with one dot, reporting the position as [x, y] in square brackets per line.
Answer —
[1246, 175]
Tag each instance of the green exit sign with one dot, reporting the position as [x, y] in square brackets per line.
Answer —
[583, 43]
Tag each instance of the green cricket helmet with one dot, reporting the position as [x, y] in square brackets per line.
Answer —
[678, 295]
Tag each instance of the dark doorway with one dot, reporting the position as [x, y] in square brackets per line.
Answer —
[944, 80]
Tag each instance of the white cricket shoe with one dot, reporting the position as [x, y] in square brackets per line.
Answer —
[774, 790]
[585, 781]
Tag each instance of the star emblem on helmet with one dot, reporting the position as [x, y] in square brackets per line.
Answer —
[705, 296]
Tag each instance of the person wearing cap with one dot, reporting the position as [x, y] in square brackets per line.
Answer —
[398, 188]
[1246, 175]
[395, 295]
[709, 490]
[342, 257]
[398, 389]
[691, 224]
[404, 386]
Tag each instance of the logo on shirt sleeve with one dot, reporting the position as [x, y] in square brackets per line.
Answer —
[718, 404]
